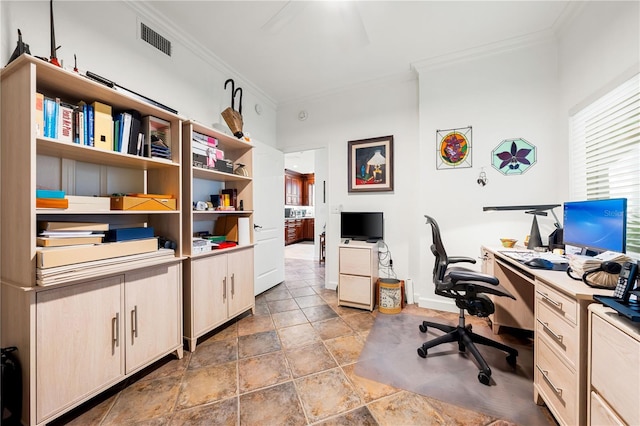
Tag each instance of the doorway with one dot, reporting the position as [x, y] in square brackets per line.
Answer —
[311, 167]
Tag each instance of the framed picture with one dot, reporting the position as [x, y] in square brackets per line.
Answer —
[453, 148]
[371, 165]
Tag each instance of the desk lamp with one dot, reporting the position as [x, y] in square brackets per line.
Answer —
[536, 210]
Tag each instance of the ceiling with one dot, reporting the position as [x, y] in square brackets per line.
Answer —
[292, 50]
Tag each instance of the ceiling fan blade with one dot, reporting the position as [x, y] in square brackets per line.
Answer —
[289, 11]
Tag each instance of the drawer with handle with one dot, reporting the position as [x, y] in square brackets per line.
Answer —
[562, 336]
[562, 305]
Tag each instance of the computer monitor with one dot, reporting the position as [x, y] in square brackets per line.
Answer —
[365, 226]
[596, 225]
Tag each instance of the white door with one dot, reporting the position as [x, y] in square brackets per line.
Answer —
[268, 216]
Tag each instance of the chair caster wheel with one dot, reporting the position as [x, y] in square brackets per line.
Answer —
[511, 360]
[422, 352]
[423, 327]
[484, 378]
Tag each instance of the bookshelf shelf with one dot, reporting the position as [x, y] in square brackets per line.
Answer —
[71, 151]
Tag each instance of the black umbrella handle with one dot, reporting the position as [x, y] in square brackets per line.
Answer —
[233, 90]
[239, 89]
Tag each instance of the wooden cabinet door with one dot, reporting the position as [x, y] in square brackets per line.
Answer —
[152, 314]
[210, 293]
[288, 190]
[240, 281]
[79, 343]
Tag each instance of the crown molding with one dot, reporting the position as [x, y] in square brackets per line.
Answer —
[471, 54]
[148, 13]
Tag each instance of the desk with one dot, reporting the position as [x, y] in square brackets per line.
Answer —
[554, 306]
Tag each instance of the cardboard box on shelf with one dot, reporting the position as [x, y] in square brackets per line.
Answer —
[127, 202]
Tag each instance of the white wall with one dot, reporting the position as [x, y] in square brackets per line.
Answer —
[526, 93]
[598, 50]
[506, 95]
[385, 108]
[104, 37]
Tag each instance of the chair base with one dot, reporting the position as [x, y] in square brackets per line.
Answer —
[466, 339]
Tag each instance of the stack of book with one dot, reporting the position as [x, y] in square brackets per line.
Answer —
[59, 234]
[51, 199]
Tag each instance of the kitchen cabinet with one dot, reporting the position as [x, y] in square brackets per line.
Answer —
[309, 189]
[222, 288]
[309, 229]
[293, 184]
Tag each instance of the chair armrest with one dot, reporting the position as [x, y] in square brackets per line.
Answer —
[458, 259]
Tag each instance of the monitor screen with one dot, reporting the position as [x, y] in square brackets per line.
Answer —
[362, 225]
[596, 225]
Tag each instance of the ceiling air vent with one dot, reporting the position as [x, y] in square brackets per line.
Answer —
[155, 39]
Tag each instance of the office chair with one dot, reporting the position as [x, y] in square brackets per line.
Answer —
[469, 289]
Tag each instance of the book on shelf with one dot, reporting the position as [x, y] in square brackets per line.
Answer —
[65, 122]
[47, 257]
[125, 234]
[230, 197]
[52, 203]
[103, 126]
[134, 129]
[202, 138]
[88, 203]
[49, 193]
[89, 124]
[78, 125]
[50, 117]
[55, 241]
[72, 226]
[70, 234]
[39, 113]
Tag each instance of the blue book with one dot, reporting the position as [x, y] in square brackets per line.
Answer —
[85, 127]
[49, 117]
[90, 124]
[126, 234]
[49, 193]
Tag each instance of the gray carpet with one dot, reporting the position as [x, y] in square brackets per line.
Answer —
[390, 357]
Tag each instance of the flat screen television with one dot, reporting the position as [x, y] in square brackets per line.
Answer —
[596, 225]
[362, 226]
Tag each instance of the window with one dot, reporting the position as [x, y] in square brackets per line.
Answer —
[605, 153]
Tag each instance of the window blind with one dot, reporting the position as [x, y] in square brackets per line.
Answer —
[605, 153]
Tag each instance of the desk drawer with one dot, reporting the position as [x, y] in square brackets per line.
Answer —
[562, 335]
[615, 357]
[557, 383]
[562, 305]
[601, 413]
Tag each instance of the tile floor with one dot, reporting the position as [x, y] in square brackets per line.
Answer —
[292, 363]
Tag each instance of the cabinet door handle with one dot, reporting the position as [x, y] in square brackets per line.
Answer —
[545, 325]
[546, 297]
[545, 374]
[224, 288]
[115, 329]
[134, 321]
[233, 284]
